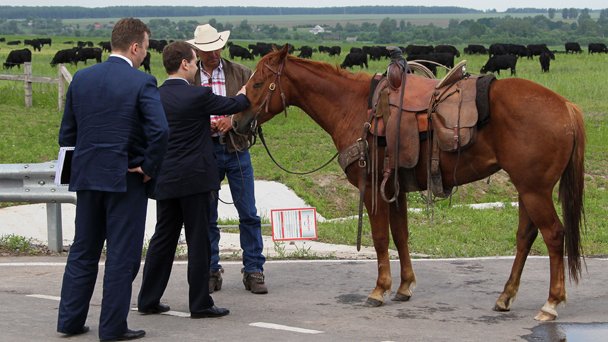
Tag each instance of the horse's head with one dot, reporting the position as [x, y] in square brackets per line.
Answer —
[265, 93]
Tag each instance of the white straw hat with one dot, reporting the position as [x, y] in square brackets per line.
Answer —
[206, 38]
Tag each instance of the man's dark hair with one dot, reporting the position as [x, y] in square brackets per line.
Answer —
[174, 54]
[128, 31]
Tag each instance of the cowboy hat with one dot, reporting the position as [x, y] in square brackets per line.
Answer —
[206, 38]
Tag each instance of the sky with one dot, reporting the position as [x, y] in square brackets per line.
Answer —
[499, 5]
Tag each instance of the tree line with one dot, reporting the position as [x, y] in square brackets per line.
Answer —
[486, 30]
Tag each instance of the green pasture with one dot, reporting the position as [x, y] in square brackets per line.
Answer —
[30, 135]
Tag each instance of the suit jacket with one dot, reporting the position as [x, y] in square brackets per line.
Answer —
[236, 76]
[114, 118]
[189, 166]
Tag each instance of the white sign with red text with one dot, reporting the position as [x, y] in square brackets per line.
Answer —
[294, 224]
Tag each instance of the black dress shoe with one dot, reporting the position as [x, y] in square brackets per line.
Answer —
[213, 311]
[128, 335]
[83, 330]
[156, 309]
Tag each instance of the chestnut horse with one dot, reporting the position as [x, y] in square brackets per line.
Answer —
[534, 134]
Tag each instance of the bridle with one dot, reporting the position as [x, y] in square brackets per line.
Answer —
[255, 129]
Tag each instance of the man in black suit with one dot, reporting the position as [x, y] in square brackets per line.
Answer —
[187, 177]
[114, 118]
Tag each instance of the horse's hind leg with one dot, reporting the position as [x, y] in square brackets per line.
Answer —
[399, 230]
[526, 234]
[541, 211]
[379, 223]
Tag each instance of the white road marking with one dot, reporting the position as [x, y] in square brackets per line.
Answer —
[44, 297]
[284, 327]
[171, 313]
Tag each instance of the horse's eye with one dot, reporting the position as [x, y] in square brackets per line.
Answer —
[257, 85]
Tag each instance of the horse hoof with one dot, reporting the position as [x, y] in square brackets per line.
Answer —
[401, 297]
[500, 308]
[374, 302]
[544, 316]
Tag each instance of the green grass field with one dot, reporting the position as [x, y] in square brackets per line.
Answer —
[30, 135]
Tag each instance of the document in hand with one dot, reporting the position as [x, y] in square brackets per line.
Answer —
[64, 165]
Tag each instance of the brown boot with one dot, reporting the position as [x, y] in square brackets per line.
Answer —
[254, 282]
[215, 280]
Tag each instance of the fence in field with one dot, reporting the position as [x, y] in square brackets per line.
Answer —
[63, 77]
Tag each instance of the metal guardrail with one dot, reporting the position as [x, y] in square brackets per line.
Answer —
[35, 183]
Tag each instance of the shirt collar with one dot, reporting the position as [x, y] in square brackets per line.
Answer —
[123, 57]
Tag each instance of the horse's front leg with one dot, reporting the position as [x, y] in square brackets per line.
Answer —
[380, 237]
[400, 232]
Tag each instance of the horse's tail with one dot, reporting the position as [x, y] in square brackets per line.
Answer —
[571, 189]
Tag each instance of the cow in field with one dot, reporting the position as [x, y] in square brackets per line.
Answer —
[84, 54]
[239, 51]
[13, 42]
[573, 47]
[17, 57]
[447, 48]
[354, 58]
[2, 39]
[475, 49]
[597, 47]
[545, 61]
[419, 49]
[34, 43]
[498, 62]
[45, 41]
[105, 46]
[305, 52]
[537, 49]
[67, 56]
[146, 62]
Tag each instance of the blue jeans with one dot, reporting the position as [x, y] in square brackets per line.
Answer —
[237, 167]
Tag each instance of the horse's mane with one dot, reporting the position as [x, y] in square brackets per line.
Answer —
[318, 66]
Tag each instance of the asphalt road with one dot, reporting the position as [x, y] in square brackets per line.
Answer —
[325, 301]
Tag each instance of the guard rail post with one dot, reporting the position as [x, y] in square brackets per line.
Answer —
[35, 183]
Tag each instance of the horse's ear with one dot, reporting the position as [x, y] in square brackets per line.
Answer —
[284, 51]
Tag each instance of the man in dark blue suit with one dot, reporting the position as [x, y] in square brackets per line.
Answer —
[187, 177]
[114, 118]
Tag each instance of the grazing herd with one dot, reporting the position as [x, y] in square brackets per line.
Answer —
[501, 56]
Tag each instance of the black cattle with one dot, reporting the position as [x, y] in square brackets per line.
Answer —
[68, 42]
[67, 56]
[157, 45]
[146, 62]
[84, 54]
[517, 50]
[597, 47]
[354, 58]
[239, 51]
[335, 51]
[17, 57]
[305, 52]
[34, 43]
[323, 49]
[447, 48]
[573, 47]
[545, 61]
[538, 49]
[45, 41]
[497, 49]
[260, 49]
[358, 49]
[2, 39]
[498, 62]
[13, 42]
[105, 46]
[474, 49]
[377, 52]
[425, 60]
[419, 49]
